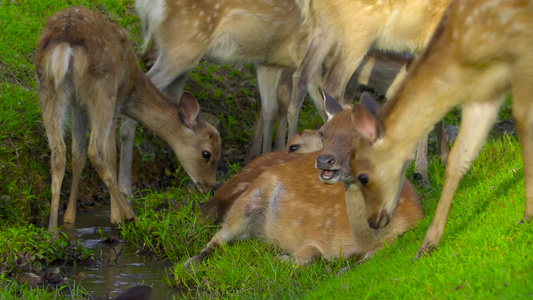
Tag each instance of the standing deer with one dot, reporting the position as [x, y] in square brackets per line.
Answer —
[271, 34]
[350, 28]
[86, 63]
[288, 205]
[481, 51]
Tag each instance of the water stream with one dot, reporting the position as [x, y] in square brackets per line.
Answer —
[129, 269]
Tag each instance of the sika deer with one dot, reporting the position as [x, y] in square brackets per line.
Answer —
[351, 27]
[215, 209]
[268, 33]
[271, 34]
[288, 205]
[86, 63]
[481, 51]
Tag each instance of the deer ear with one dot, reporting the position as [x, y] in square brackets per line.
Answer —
[188, 110]
[369, 103]
[331, 105]
[364, 119]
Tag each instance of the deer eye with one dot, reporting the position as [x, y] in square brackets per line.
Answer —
[206, 155]
[363, 179]
[293, 148]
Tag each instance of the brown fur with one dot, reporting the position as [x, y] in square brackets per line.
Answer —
[215, 209]
[480, 52]
[86, 63]
[288, 205]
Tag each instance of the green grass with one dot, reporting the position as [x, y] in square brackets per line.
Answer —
[484, 253]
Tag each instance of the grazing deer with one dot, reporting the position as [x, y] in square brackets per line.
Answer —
[481, 51]
[268, 33]
[288, 205]
[86, 63]
[215, 209]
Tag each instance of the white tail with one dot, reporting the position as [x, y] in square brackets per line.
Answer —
[289, 205]
[87, 64]
[480, 52]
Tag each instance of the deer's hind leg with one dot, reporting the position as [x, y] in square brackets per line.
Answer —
[79, 155]
[523, 115]
[244, 219]
[102, 146]
[54, 104]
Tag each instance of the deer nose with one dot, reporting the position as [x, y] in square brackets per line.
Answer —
[379, 221]
[325, 161]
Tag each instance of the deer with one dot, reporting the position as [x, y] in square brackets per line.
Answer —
[349, 29]
[271, 34]
[288, 205]
[480, 52]
[215, 208]
[86, 64]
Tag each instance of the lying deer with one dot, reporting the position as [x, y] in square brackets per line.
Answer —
[288, 205]
[86, 64]
[215, 209]
[480, 52]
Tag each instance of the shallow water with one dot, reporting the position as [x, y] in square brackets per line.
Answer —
[129, 269]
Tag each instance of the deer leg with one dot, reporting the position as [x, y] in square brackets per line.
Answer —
[244, 219]
[319, 47]
[315, 92]
[421, 163]
[79, 155]
[176, 87]
[255, 144]
[477, 120]
[127, 135]
[267, 80]
[165, 71]
[53, 107]
[102, 152]
[284, 91]
[305, 255]
[523, 116]
[441, 142]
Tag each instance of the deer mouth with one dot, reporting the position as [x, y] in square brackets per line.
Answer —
[330, 176]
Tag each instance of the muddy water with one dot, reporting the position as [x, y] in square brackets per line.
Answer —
[129, 269]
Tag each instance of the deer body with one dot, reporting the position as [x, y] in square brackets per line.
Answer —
[480, 52]
[86, 64]
[215, 209]
[288, 205]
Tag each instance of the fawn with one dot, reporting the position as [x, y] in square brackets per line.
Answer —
[288, 205]
[481, 51]
[215, 209]
[86, 63]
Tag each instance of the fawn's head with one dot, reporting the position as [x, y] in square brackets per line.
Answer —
[305, 141]
[337, 135]
[199, 150]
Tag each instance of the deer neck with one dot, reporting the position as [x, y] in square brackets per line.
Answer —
[154, 111]
[426, 95]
